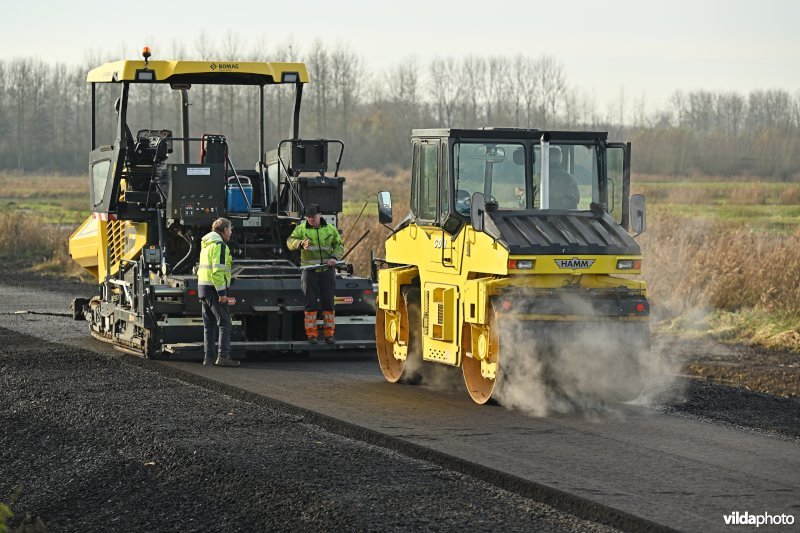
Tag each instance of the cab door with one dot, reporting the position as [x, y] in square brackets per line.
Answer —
[100, 172]
[106, 163]
[618, 182]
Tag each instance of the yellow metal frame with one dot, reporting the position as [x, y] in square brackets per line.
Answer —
[223, 72]
[473, 267]
[123, 240]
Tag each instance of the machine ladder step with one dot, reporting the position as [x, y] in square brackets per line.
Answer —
[268, 346]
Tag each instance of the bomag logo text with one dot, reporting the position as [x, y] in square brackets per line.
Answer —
[574, 263]
[224, 66]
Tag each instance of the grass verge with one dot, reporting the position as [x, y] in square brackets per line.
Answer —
[29, 242]
[752, 327]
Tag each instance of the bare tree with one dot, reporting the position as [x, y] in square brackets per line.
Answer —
[232, 48]
[177, 49]
[203, 46]
[319, 70]
[552, 85]
[620, 106]
[347, 78]
[724, 133]
[445, 89]
[516, 89]
[471, 79]
[733, 106]
[403, 81]
[19, 79]
[495, 89]
[527, 82]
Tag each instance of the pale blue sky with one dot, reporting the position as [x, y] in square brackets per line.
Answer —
[646, 49]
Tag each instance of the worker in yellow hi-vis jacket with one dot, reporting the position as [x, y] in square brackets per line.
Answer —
[320, 244]
[213, 279]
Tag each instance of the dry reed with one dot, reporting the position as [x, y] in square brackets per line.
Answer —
[27, 237]
[693, 195]
[790, 196]
[701, 264]
[751, 195]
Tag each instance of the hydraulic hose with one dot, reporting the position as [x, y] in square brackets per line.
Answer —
[178, 268]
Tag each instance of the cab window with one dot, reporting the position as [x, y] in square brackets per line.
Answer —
[428, 180]
[497, 170]
[573, 176]
[615, 160]
[99, 178]
[444, 184]
[415, 180]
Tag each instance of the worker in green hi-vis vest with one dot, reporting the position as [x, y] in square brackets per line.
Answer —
[320, 244]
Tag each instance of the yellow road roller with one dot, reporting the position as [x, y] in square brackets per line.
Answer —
[516, 254]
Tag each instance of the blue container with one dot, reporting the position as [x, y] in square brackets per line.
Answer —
[236, 202]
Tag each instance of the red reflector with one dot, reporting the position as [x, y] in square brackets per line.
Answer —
[512, 264]
[367, 291]
[506, 305]
[639, 308]
[637, 265]
[191, 292]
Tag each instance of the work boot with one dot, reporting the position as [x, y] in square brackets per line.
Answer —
[208, 361]
[330, 340]
[226, 361]
[312, 340]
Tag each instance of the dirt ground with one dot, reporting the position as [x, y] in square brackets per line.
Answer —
[747, 367]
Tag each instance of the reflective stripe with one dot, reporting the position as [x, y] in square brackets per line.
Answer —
[324, 243]
[214, 269]
[310, 324]
[224, 268]
[328, 323]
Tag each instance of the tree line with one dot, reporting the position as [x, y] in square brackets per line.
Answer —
[45, 111]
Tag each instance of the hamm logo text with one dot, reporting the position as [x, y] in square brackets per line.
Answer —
[574, 263]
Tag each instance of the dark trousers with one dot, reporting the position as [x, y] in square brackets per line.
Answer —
[318, 289]
[216, 327]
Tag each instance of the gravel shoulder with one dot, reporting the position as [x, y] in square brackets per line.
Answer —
[96, 443]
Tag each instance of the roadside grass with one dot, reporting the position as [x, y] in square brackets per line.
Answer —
[43, 186]
[28, 523]
[715, 195]
[5, 516]
[30, 242]
[729, 280]
[776, 331]
[783, 219]
[58, 199]
[363, 185]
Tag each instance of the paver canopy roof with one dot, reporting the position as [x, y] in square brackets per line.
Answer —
[200, 72]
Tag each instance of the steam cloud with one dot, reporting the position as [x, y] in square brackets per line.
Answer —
[584, 367]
